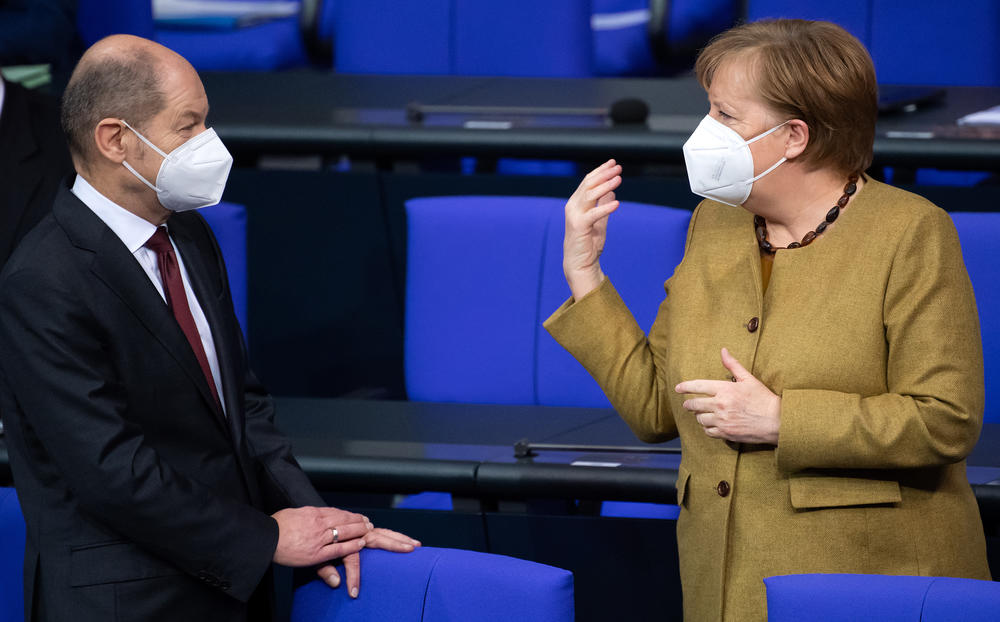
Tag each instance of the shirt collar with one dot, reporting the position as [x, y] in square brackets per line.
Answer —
[131, 229]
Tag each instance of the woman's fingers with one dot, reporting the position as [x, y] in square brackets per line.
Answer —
[602, 189]
[593, 216]
[597, 171]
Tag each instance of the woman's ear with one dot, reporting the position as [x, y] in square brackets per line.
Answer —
[108, 137]
[798, 138]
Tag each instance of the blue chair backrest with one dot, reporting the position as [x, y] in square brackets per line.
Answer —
[272, 45]
[645, 243]
[229, 224]
[620, 31]
[549, 38]
[393, 36]
[483, 273]
[442, 585]
[880, 598]
[911, 41]
[97, 19]
[11, 557]
[978, 233]
[463, 37]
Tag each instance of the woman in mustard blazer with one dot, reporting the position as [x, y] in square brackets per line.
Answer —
[818, 350]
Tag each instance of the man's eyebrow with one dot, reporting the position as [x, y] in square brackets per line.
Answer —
[189, 115]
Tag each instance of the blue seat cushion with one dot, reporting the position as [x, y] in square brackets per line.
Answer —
[965, 600]
[11, 557]
[442, 585]
[845, 598]
[880, 598]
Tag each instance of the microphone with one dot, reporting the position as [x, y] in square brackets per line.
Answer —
[629, 111]
[626, 111]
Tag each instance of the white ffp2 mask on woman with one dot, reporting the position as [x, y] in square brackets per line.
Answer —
[719, 163]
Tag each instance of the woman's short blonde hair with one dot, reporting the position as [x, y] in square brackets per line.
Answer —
[813, 71]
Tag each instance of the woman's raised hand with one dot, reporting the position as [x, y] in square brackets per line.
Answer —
[587, 227]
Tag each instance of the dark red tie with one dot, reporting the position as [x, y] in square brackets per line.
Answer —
[173, 287]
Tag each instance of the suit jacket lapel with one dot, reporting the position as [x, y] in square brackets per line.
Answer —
[119, 270]
[226, 350]
[208, 298]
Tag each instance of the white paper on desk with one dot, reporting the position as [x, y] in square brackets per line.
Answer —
[990, 116]
[176, 9]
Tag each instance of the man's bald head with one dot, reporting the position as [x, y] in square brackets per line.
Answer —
[119, 77]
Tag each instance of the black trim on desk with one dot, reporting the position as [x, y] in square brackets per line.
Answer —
[498, 480]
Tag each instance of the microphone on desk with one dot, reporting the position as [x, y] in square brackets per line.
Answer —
[625, 111]
[629, 111]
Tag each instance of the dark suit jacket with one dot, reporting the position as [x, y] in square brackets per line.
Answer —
[33, 159]
[142, 500]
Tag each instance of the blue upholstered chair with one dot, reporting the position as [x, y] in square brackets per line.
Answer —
[11, 557]
[978, 233]
[463, 37]
[621, 33]
[442, 585]
[922, 42]
[229, 224]
[880, 598]
[483, 273]
[276, 44]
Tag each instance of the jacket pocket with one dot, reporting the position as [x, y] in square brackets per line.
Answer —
[683, 475]
[112, 562]
[823, 491]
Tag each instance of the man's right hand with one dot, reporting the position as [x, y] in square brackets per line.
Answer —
[306, 535]
[587, 214]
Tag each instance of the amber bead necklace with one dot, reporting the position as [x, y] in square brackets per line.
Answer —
[761, 226]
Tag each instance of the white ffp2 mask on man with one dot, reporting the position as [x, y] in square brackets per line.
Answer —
[719, 163]
[191, 176]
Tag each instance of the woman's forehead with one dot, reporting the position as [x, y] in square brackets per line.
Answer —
[735, 78]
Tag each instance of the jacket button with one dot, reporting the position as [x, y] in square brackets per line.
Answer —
[753, 324]
[722, 488]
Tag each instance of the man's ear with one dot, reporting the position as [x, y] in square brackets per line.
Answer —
[798, 138]
[108, 136]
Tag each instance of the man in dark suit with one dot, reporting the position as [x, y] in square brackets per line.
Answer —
[153, 482]
[33, 158]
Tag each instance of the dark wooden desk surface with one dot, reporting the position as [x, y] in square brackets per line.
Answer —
[316, 112]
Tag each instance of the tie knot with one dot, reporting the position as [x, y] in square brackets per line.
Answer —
[159, 242]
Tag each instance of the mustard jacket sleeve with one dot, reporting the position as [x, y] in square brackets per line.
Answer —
[932, 411]
[600, 332]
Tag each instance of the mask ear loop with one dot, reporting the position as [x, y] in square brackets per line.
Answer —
[776, 164]
[752, 140]
[152, 146]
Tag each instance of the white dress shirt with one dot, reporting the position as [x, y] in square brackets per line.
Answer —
[2, 90]
[134, 232]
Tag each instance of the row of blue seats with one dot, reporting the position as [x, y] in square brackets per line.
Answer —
[450, 585]
[911, 41]
[484, 272]
[428, 585]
